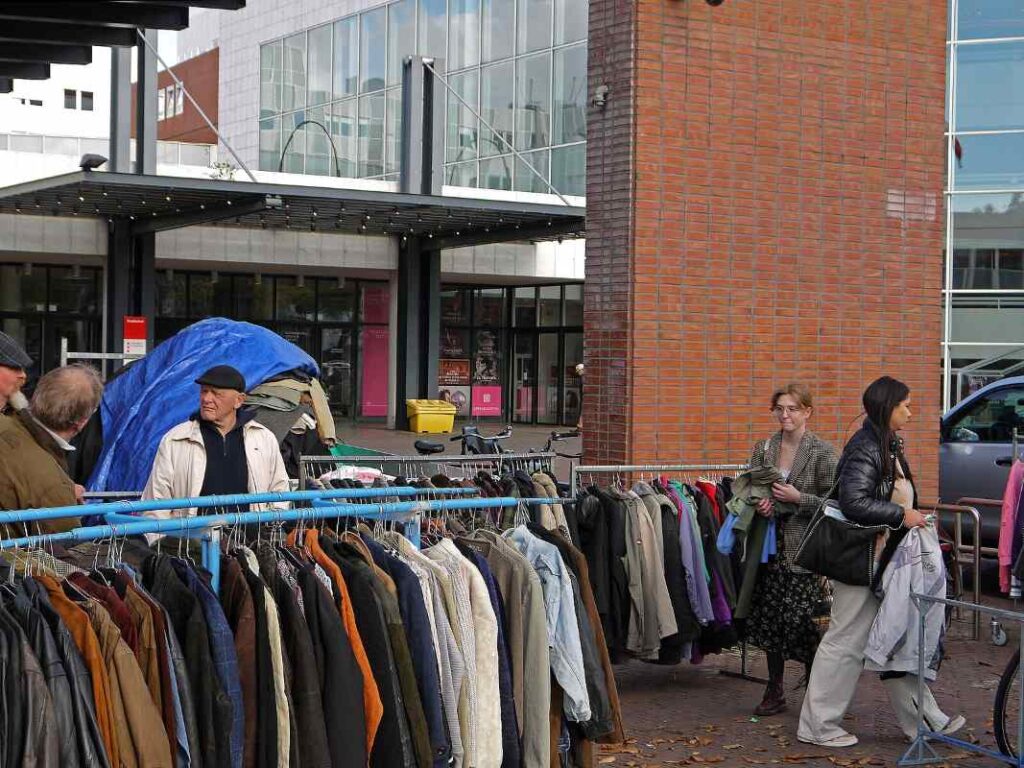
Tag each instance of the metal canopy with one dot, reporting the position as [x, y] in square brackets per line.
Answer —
[34, 35]
[159, 203]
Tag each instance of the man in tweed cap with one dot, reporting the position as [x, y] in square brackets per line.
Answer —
[13, 362]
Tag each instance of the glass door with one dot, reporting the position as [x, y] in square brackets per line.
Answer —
[336, 369]
[572, 388]
[547, 378]
[524, 377]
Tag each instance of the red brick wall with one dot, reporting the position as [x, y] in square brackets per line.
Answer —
[765, 204]
[201, 76]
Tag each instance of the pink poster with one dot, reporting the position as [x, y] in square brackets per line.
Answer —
[375, 372]
[376, 300]
[486, 401]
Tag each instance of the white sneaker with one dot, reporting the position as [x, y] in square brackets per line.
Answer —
[836, 742]
[956, 722]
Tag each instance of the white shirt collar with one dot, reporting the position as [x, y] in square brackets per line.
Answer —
[64, 444]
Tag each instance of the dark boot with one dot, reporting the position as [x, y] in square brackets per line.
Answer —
[774, 701]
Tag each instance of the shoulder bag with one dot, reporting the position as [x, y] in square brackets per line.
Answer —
[837, 548]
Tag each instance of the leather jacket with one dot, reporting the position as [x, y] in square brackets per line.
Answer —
[864, 489]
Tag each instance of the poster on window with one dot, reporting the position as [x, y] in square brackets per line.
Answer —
[374, 400]
[485, 363]
[486, 401]
[454, 342]
[453, 373]
[457, 396]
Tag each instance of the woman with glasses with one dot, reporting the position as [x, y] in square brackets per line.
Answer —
[788, 600]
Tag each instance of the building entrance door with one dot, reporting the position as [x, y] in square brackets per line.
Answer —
[524, 372]
[337, 364]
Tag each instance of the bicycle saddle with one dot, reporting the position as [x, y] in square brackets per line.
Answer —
[426, 447]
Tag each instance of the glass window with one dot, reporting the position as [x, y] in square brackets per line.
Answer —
[318, 86]
[293, 77]
[371, 135]
[23, 292]
[179, 99]
[171, 294]
[166, 151]
[161, 104]
[270, 78]
[528, 181]
[61, 145]
[194, 154]
[498, 18]
[21, 142]
[270, 143]
[319, 157]
[990, 419]
[455, 306]
[989, 318]
[990, 86]
[200, 295]
[570, 102]
[982, 19]
[402, 34]
[253, 300]
[293, 142]
[1010, 266]
[343, 129]
[992, 221]
[533, 102]
[572, 393]
[489, 306]
[87, 101]
[346, 57]
[74, 290]
[525, 308]
[393, 150]
[571, 17]
[172, 101]
[294, 301]
[534, 25]
[70, 99]
[462, 123]
[569, 169]
[433, 28]
[550, 305]
[487, 357]
[454, 343]
[462, 174]
[496, 94]
[336, 303]
[373, 39]
[496, 172]
[547, 378]
[375, 305]
[464, 33]
[574, 307]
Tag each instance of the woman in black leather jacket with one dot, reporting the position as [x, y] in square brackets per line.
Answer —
[875, 487]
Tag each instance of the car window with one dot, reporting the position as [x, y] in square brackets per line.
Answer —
[990, 419]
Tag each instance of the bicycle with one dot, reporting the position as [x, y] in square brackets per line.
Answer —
[564, 489]
[1007, 708]
[473, 443]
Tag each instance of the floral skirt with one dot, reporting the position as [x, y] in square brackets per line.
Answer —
[785, 612]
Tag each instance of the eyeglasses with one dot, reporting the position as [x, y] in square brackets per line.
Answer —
[778, 410]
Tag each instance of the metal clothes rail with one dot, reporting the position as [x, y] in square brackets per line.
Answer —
[313, 467]
[121, 526]
[621, 469]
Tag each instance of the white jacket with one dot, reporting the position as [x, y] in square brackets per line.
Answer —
[180, 465]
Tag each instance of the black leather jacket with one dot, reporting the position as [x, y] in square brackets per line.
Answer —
[864, 490]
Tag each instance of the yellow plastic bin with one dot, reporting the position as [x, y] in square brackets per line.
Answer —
[431, 416]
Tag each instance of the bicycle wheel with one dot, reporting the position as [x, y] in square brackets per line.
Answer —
[1007, 711]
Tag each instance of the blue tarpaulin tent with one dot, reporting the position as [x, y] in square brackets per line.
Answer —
[159, 391]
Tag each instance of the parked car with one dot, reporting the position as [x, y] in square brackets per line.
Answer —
[977, 446]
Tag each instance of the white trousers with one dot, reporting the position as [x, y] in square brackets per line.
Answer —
[837, 667]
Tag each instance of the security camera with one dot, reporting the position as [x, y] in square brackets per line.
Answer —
[90, 162]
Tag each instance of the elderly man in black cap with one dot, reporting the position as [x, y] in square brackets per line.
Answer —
[220, 450]
[13, 362]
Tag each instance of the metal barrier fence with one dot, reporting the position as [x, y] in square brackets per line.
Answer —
[921, 751]
[959, 511]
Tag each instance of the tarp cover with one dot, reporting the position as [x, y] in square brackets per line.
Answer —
[159, 391]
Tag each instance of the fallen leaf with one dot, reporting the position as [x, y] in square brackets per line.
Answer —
[733, 746]
[607, 760]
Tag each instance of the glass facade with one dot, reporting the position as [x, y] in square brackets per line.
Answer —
[342, 324]
[517, 71]
[984, 279]
[512, 351]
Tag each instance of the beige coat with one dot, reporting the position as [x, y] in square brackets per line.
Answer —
[180, 465]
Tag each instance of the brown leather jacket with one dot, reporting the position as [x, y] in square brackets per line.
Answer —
[32, 472]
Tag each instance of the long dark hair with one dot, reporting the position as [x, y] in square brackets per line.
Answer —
[880, 400]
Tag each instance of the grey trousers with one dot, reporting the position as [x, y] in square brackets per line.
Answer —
[837, 667]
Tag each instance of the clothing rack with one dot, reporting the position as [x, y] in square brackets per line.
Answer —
[312, 467]
[208, 527]
[623, 469]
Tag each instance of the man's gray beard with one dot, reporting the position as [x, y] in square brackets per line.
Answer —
[18, 401]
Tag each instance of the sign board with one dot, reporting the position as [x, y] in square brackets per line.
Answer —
[134, 334]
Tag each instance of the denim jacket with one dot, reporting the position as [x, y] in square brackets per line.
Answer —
[560, 610]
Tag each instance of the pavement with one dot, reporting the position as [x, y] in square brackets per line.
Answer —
[692, 715]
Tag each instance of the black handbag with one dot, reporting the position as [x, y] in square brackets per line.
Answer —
[837, 548]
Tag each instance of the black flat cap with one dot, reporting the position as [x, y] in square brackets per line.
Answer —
[223, 377]
[11, 353]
